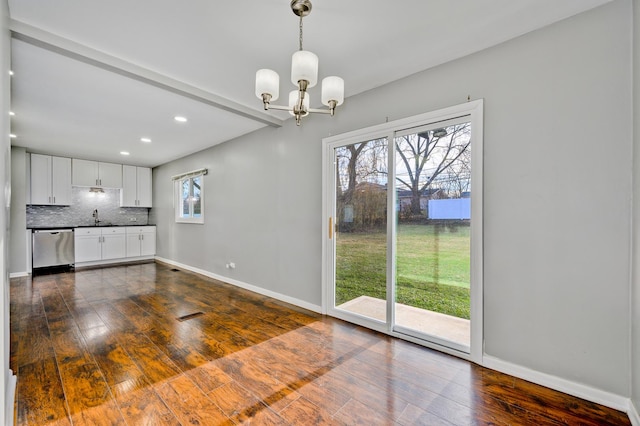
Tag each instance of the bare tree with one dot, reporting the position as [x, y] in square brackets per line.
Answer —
[428, 154]
[358, 164]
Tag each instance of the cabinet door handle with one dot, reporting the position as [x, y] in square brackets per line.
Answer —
[54, 199]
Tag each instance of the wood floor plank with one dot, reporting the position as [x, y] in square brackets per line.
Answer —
[105, 346]
[115, 363]
[236, 402]
[304, 412]
[208, 377]
[189, 404]
[356, 413]
[84, 386]
[40, 395]
[156, 366]
[143, 406]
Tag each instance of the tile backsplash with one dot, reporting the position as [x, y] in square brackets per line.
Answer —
[79, 213]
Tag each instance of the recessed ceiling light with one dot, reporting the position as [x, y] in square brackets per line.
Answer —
[10, 72]
[124, 153]
[145, 140]
[11, 113]
[12, 136]
[180, 119]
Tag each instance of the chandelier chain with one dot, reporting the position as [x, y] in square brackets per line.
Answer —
[300, 31]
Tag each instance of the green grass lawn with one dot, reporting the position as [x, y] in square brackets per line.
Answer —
[432, 267]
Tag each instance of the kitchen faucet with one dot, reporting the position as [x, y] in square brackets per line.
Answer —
[95, 215]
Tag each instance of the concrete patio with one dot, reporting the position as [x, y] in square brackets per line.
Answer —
[433, 323]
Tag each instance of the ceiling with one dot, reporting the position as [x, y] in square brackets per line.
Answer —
[92, 78]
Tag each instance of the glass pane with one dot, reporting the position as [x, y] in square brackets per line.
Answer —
[197, 202]
[185, 198]
[433, 184]
[361, 225]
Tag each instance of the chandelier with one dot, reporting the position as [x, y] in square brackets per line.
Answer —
[304, 75]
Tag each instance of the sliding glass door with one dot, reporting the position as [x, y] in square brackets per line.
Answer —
[403, 246]
[432, 233]
[360, 199]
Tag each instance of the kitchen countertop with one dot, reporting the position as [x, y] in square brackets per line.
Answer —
[38, 227]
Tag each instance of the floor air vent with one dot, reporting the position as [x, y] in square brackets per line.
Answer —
[190, 316]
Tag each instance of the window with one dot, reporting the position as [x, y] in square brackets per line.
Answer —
[189, 195]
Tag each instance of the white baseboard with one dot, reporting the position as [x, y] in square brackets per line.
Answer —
[608, 399]
[122, 260]
[633, 414]
[246, 286]
[18, 274]
[10, 393]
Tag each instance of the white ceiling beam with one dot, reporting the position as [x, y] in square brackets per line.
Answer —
[88, 55]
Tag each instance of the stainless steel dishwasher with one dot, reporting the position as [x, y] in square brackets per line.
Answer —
[53, 247]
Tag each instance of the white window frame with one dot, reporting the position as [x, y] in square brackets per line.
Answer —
[178, 199]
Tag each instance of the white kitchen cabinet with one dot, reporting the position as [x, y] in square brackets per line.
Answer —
[50, 180]
[88, 244]
[95, 244]
[141, 241]
[114, 243]
[94, 173]
[136, 187]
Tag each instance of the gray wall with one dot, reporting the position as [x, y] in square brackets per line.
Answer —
[18, 259]
[557, 161]
[635, 300]
[5, 185]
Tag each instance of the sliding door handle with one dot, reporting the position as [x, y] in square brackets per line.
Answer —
[330, 227]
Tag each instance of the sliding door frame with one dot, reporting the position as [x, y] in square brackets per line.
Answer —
[474, 110]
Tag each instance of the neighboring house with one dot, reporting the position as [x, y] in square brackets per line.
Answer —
[405, 196]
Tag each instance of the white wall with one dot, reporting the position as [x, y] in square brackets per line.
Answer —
[18, 250]
[558, 133]
[5, 185]
[635, 300]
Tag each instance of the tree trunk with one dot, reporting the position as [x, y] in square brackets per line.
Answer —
[415, 200]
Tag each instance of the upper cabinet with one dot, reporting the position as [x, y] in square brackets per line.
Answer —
[136, 187]
[94, 173]
[50, 180]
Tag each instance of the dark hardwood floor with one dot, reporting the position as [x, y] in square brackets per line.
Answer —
[108, 347]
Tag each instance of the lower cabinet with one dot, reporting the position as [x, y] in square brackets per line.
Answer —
[98, 244]
[141, 241]
[88, 244]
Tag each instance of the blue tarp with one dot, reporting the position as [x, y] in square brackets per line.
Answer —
[456, 208]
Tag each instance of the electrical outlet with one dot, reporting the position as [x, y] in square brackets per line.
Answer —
[133, 219]
[232, 265]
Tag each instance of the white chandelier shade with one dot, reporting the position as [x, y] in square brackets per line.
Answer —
[304, 66]
[332, 90]
[267, 81]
